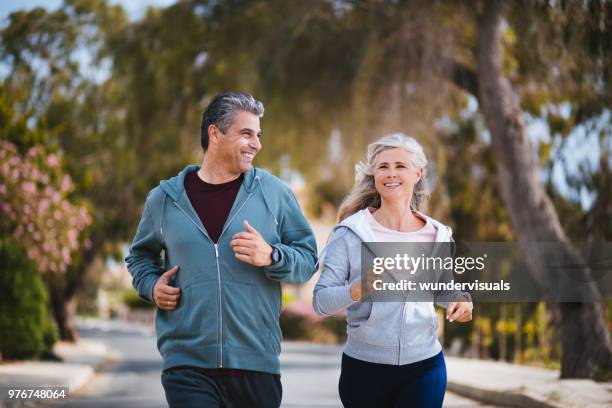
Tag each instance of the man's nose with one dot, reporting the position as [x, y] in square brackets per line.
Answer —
[256, 143]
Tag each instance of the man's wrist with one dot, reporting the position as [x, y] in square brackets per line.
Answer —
[275, 255]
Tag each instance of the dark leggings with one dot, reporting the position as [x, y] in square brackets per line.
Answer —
[420, 385]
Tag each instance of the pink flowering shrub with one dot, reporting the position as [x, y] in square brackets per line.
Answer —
[35, 208]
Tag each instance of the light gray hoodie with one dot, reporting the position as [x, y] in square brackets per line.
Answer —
[394, 333]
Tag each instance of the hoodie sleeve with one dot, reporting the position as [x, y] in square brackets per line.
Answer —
[443, 298]
[332, 292]
[144, 261]
[298, 247]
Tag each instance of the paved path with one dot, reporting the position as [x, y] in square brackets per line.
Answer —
[309, 373]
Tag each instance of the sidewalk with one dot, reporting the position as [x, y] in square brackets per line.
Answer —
[514, 385]
[80, 362]
[490, 382]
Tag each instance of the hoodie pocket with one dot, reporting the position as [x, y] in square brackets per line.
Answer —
[243, 324]
[194, 322]
[382, 326]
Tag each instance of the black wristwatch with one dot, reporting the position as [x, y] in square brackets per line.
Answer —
[276, 255]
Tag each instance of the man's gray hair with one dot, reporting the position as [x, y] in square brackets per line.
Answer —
[221, 111]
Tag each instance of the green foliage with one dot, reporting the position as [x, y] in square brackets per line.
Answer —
[326, 192]
[296, 326]
[25, 329]
[293, 326]
[132, 300]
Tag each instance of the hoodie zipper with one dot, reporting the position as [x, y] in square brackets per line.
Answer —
[218, 266]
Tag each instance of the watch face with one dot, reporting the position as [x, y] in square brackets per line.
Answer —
[275, 255]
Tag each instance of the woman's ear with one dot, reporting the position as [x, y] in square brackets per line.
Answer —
[421, 173]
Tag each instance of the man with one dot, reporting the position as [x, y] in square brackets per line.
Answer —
[230, 234]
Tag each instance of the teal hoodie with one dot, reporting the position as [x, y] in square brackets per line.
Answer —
[228, 312]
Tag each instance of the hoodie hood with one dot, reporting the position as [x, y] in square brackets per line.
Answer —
[359, 224]
[175, 186]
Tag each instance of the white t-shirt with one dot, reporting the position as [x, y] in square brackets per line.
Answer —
[384, 234]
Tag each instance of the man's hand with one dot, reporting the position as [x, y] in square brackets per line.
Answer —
[250, 247]
[459, 311]
[165, 296]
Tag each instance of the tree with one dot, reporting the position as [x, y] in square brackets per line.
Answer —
[587, 350]
[41, 232]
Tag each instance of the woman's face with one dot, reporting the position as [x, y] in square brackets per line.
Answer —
[395, 175]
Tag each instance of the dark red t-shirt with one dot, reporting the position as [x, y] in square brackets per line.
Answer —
[212, 202]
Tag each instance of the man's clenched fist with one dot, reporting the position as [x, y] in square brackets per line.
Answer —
[250, 247]
[165, 296]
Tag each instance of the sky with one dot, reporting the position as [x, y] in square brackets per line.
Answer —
[135, 8]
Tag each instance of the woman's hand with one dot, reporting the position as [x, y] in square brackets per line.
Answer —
[459, 311]
[355, 290]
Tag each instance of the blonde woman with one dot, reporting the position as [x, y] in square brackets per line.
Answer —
[392, 357]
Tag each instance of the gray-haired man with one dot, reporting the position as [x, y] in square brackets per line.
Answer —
[231, 233]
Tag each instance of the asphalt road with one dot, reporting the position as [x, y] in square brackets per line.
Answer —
[132, 378]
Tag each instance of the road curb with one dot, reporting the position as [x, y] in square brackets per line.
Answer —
[80, 362]
[501, 398]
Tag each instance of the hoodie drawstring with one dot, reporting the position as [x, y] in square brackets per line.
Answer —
[264, 199]
[161, 222]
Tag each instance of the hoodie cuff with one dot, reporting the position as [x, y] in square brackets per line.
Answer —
[445, 300]
[146, 289]
[342, 297]
[345, 296]
[282, 263]
[331, 300]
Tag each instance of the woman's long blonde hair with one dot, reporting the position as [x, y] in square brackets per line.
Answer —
[364, 194]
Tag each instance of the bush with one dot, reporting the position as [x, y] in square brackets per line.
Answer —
[25, 329]
[293, 326]
[132, 299]
[299, 322]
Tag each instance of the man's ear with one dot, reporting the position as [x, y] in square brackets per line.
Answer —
[214, 134]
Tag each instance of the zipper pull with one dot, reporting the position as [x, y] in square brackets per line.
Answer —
[216, 251]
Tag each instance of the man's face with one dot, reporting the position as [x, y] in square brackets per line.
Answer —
[240, 144]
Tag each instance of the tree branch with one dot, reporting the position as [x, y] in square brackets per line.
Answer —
[461, 75]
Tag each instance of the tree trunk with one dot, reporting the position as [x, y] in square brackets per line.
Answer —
[64, 313]
[502, 333]
[63, 291]
[587, 350]
[518, 334]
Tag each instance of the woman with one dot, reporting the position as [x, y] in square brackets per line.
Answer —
[392, 357]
